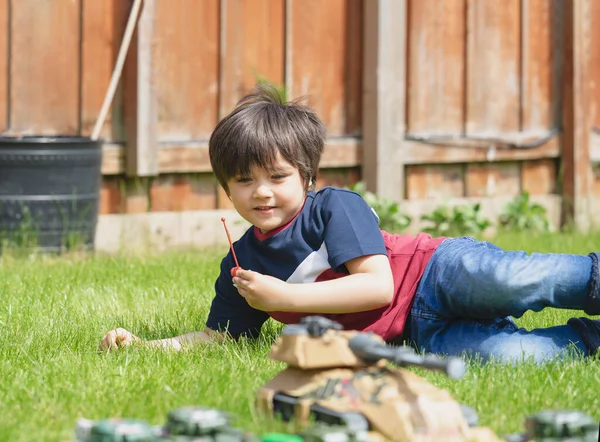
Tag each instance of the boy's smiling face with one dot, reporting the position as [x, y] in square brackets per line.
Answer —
[268, 198]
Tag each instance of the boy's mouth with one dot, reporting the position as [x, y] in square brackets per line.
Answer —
[264, 208]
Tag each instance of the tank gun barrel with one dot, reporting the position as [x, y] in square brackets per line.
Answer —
[370, 350]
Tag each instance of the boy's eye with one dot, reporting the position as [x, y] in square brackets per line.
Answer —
[243, 179]
[279, 176]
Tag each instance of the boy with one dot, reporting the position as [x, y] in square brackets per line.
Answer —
[323, 253]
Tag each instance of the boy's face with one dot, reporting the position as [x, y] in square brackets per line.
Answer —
[268, 199]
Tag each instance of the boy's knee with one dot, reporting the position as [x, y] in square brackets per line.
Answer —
[592, 305]
[589, 330]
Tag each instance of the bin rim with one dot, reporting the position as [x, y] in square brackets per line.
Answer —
[46, 139]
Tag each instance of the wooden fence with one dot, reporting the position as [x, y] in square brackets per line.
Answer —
[425, 100]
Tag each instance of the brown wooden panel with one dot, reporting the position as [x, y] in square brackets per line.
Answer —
[110, 195]
[102, 28]
[493, 67]
[438, 181]
[223, 201]
[436, 59]
[595, 63]
[537, 65]
[183, 192]
[596, 177]
[44, 68]
[3, 64]
[538, 177]
[340, 152]
[493, 179]
[423, 153]
[323, 59]
[343, 177]
[253, 45]
[186, 65]
[575, 155]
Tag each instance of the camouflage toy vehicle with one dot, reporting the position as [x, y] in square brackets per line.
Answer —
[185, 424]
[343, 378]
[558, 425]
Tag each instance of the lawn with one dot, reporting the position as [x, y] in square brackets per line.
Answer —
[54, 311]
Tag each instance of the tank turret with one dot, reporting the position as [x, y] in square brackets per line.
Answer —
[355, 380]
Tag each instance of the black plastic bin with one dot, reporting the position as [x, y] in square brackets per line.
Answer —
[49, 191]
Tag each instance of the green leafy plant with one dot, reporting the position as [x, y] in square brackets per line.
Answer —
[390, 217]
[280, 88]
[456, 221]
[524, 216]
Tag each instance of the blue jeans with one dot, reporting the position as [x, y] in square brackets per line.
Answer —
[470, 291]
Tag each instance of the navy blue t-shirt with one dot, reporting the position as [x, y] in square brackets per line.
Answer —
[334, 226]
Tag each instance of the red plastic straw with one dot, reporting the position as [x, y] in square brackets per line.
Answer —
[230, 243]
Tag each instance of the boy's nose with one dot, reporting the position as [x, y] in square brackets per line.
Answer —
[262, 191]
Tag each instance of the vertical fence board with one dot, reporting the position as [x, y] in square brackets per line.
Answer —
[384, 97]
[435, 89]
[576, 164]
[44, 67]
[436, 56]
[354, 67]
[493, 179]
[140, 101]
[187, 63]
[3, 64]
[252, 45]
[493, 67]
[595, 65]
[538, 177]
[435, 182]
[103, 25]
[319, 59]
[537, 63]
[169, 193]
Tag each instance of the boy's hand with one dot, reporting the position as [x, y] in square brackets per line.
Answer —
[262, 292]
[117, 338]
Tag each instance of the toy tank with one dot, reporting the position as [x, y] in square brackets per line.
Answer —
[558, 425]
[343, 378]
[184, 424]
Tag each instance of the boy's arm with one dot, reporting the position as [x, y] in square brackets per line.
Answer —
[370, 285]
[121, 337]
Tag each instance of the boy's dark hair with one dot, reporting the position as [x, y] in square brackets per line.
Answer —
[260, 126]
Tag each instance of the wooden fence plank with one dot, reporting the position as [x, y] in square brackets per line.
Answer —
[492, 179]
[537, 65]
[252, 45]
[384, 98]
[140, 100]
[436, 57]
[595, 65]
[102, 28]
[4, 77]
[422, 153]
[320, 53]
[187, 157]
[577, 179]
[187, 68]
[437, 181]
[493, 67]
[539, 177]
[353, 95]
[187, 76]
[435, 88]
[44, 67]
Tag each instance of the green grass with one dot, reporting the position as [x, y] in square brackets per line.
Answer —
[54, 311]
